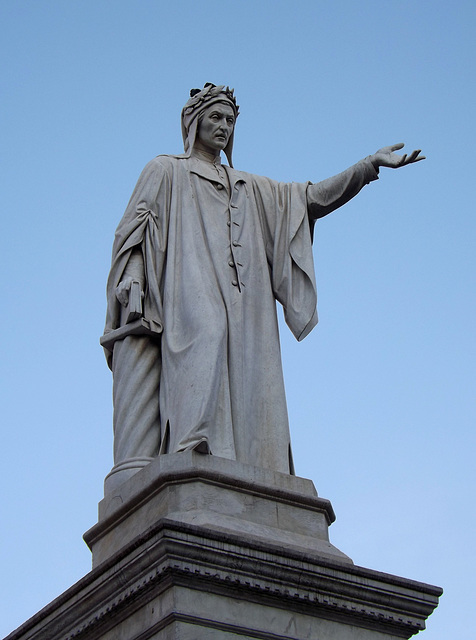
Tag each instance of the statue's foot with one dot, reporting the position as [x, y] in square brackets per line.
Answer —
[200, 447]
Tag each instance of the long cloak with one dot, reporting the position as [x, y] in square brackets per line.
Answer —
[219, 248]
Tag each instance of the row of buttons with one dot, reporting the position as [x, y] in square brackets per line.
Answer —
[234, 243]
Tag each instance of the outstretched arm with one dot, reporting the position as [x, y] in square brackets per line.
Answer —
[385, 157]
[328, 195]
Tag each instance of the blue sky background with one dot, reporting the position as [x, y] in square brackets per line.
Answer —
[381, 394]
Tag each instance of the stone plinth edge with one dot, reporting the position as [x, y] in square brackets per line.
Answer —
[180, 581]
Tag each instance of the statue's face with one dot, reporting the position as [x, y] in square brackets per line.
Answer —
[215, 128]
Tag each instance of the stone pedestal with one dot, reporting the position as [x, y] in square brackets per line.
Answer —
[195, 547]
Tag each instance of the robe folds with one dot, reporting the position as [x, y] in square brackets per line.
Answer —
[219, 248]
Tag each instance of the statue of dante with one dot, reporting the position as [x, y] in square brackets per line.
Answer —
[200, 258]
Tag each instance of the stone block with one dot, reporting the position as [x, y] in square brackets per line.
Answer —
[195, 547]
[221, 495]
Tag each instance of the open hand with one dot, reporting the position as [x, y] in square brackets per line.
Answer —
[385, 157]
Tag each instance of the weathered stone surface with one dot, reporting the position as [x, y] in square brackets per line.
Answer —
[187, 574]
[188, 583]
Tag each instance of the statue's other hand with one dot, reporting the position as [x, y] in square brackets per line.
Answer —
[385, 157]
[122, 290]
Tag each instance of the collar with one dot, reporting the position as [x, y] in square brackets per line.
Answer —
[213, 171]
[206, 157]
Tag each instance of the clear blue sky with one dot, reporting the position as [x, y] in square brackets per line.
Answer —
[381, 394]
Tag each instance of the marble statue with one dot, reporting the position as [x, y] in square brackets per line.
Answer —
[200, 258]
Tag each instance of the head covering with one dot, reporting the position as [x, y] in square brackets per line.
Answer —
[201, 99]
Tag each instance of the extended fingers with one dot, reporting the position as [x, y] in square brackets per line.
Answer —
[414, 157]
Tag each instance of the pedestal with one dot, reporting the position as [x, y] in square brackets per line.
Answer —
[195, 547]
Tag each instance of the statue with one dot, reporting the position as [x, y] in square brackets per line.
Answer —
[200, 258]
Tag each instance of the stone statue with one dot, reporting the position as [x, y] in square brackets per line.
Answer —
[200, 258]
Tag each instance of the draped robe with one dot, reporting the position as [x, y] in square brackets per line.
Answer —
[219, 248]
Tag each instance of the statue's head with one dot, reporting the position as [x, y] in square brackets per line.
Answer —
[199, 104]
